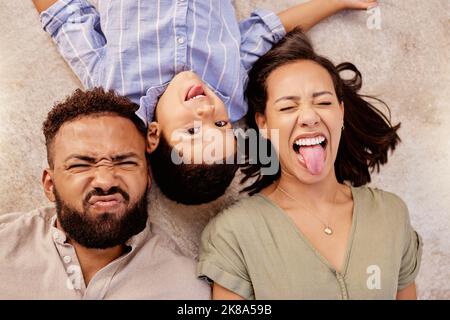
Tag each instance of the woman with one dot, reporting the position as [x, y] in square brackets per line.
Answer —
[305, 234]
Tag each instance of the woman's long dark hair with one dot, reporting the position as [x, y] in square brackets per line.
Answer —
[368, 133]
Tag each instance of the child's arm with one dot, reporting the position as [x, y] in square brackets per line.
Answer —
[75, 29]
[42, 5]
[307, 15]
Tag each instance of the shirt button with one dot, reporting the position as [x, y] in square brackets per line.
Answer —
[180, 40]
[67, 259]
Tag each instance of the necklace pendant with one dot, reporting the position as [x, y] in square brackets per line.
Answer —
[328, 231]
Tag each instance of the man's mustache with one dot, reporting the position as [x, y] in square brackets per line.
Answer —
[111, 191]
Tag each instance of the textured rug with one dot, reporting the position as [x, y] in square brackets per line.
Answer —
[402, 50]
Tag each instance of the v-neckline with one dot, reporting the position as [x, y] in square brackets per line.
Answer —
[324, 260]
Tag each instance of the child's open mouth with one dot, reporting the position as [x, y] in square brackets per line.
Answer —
[311, 153]
[195, 92]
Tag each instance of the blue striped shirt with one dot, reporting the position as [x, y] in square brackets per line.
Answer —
[136, 47]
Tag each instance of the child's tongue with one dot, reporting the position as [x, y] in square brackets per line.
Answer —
[195, 91]
[314, 157]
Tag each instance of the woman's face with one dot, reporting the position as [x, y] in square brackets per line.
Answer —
[303, 105]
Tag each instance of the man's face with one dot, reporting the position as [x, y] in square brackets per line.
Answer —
[194, 120]
[99, 180]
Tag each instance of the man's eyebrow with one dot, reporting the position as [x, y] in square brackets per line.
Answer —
[119, 157]
[80, 157]
[298, 98]
[124, 156]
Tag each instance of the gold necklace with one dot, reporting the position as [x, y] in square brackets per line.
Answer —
[326, 227]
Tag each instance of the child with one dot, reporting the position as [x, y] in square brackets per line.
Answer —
[137, 47]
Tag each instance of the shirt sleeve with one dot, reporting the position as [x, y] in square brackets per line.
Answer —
[412, 254]
[221, 259]
[74, 26]
[258, 34]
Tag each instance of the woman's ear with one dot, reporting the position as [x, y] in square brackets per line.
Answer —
[153, 134]
[48, 184]
[260, 120]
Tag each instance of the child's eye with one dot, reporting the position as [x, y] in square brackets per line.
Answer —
[221, 123]
[286, 108]
[193, 131]
[326, 103]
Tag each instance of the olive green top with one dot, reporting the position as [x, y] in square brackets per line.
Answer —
[255, 250]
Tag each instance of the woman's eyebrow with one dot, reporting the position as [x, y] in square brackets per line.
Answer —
[295, 98]
[298, 98]
[321, 93]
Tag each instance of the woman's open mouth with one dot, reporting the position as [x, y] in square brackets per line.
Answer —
[311, 152]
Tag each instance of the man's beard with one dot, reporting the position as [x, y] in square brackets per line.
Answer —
[103, 230]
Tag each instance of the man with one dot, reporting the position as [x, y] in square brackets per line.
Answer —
[96, 243]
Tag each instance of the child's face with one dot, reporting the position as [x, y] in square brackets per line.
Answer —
[194, 120]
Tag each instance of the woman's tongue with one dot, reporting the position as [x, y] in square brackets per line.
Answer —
[314, 157]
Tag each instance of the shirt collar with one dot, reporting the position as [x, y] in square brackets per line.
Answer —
[58, 235]
[148, 103]
[139, 239]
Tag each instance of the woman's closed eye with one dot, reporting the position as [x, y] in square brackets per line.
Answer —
[324, 103]
[287, 108]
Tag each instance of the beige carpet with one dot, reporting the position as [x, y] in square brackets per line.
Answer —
[405, 62]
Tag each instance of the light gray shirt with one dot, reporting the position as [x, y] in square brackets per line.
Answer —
[36, 262]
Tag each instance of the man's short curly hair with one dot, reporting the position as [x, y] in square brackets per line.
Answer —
[94, 102]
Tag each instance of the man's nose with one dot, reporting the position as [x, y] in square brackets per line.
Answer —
[105, 178]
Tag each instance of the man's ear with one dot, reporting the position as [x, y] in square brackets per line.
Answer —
[153, 134]
[260, 120]
[48, 184]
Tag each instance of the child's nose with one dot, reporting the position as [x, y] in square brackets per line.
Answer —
[205, 111]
